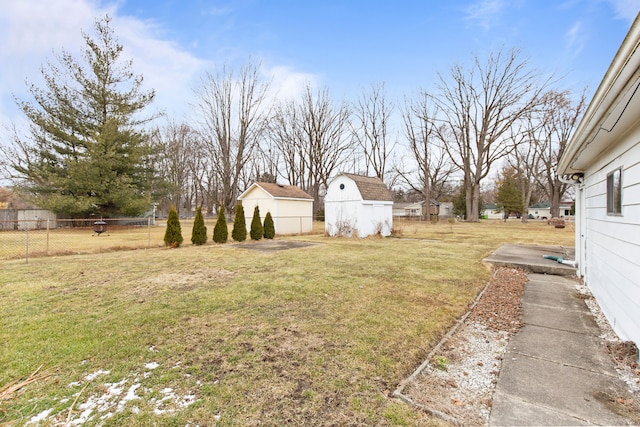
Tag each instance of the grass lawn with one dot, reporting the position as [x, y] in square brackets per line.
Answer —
[226, 335]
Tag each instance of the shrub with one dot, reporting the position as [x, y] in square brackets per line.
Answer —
[220, 231]
[239, 232]
[199, 232]
[173, 234]
[256, 225]
[269, 227]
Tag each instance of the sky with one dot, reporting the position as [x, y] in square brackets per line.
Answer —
[345, 46]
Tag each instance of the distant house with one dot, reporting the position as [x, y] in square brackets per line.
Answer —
[602, 159]
[413, 210]
[419, 209]
[446, 210]
[398, 209]
[27, 219]
[358, 204]
[290, 207]
[492, 211]
[543, 210]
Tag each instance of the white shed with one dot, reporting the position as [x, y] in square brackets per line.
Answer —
[603, 159]
[360, 204]
[291, 208]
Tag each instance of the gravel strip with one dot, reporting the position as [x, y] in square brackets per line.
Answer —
[458, 382]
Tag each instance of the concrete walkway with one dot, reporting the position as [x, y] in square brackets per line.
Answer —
[556, 370]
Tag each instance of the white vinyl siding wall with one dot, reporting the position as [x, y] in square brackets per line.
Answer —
[612, 259]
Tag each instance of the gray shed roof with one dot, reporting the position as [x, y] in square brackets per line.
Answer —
[370, 187]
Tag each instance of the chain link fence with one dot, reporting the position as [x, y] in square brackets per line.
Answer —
[30, 238]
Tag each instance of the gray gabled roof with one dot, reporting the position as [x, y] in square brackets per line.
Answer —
[370, 187]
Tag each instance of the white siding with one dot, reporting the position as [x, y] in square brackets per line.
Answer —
[293, 216]
[346, 212]
[258, 197]
[612, 242]
[290, 216]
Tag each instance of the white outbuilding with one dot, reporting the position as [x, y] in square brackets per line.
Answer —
[291, 208]
[358, 204]
[602, 159]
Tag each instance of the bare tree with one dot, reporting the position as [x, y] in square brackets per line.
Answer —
[433, 165]
[287, 137]
[312, 137]
[371, 129]
[479, 106]
[559, 120]
[179, 164]
[525, 157]
[231, 121]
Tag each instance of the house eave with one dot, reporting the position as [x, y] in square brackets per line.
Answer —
[611, 111]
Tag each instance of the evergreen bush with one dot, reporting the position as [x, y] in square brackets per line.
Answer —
[256, 225]
[199, 232]
[269, 227]
[220, 231]
[239, 232]
[173, 234]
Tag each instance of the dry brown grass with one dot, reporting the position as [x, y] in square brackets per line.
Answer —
[316, 335]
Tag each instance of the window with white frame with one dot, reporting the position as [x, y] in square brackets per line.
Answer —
[614, 192]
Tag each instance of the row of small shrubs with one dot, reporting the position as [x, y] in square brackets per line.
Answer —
[173, 234]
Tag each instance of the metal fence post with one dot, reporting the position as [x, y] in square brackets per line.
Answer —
[47, 236]
[27, 246]
[149, 232]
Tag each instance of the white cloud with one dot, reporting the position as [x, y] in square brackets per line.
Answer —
[36, 30]
[485, 12]
[575, 39]
[626, 9]
[167, 68]
[289, 84]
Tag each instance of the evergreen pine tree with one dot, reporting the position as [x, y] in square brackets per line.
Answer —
[88, 151]
[269, 227]
[220, 231]
[239, 232]
[509, 196]
[173, 234]
[199, 232]
[256, 225]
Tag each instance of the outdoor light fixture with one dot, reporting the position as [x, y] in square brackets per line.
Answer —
[577, 177]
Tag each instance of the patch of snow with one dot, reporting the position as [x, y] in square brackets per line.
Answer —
[113, 399]
[36, 419]
[152, 365]
[83, 418]
[115, 389]
[96, 374]
[131, 395]
[186, 400]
